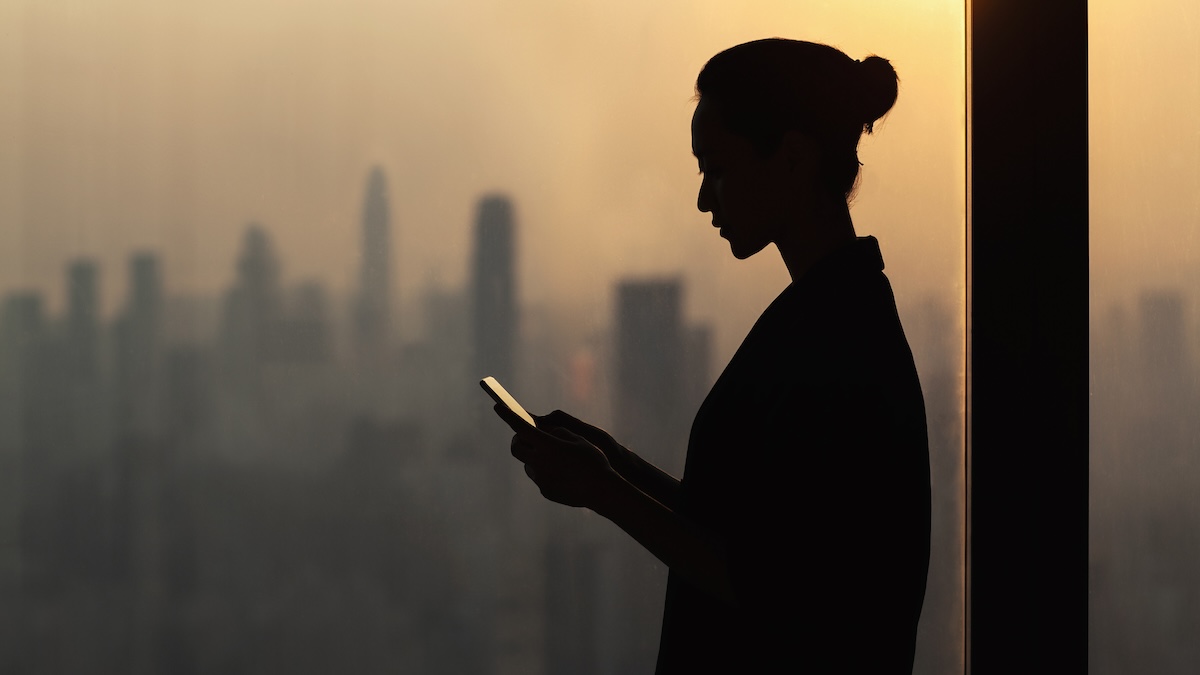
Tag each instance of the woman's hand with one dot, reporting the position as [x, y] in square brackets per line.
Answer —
[565, 466]
[642, 474]
[617, 454]
[571, 469]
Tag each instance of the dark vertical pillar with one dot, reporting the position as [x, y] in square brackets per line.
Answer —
[1028, 341]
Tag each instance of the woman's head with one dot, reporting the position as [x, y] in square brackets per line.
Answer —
[765, 88]
[776, 131]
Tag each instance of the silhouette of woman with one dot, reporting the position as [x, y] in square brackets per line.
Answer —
[798, 537]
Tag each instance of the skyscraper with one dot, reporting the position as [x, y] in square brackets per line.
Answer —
[516, 635]
[253, 307]
[138, 350]
[22, 349]
[494, 293]
[651, 346]
[21, 331]
[372, 309]
[81, 384]
[82, 325]
[651, 352]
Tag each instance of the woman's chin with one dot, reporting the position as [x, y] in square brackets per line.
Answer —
[742, 251]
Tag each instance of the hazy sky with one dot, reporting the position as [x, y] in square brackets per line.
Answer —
[170, 125]
[1145, 146]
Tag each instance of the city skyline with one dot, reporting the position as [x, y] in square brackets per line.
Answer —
[113, 423]
[556, 107]
[266, 393]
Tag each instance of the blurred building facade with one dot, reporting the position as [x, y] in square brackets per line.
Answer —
[373, 310]
[494, 290]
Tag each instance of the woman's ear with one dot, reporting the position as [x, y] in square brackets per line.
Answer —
[801, 153]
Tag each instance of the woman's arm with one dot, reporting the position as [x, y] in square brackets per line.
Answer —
[659, 485]
[698, 556]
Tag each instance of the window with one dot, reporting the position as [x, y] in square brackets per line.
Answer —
[253, 261]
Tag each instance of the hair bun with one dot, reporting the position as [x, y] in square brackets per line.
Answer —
[877, 90]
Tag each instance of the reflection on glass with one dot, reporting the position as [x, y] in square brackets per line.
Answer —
[244, 255]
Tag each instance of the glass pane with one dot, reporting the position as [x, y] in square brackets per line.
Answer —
[253, 262]
[1144, 62]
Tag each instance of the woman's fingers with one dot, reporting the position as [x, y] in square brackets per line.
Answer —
[521, 449]
[532, 444]
[566, 468]
[558, 418]
[564, 420]
[594, 435]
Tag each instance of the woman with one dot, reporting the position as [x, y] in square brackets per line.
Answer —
[798, 537]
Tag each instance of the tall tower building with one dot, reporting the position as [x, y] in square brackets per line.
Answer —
[23, 336]
[81, 384]
[138, 350]
[83, 323]
[253, 307]
[516, 638]
[494, 293]
[651, 345]
[373, 307]
[22, 331]
[651, 353]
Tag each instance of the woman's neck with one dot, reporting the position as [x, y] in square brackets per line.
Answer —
[810, 241]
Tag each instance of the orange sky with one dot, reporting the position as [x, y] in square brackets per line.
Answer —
[1144, 80]
[169, 126]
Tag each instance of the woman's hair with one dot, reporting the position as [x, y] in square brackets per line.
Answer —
[765, 88]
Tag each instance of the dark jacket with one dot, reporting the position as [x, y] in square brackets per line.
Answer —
[810, 459]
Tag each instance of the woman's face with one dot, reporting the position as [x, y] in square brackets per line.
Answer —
[751, 198]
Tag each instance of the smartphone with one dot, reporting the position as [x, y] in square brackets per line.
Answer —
[501, 395]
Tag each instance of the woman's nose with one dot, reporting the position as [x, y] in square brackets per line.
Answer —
[703, 199]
